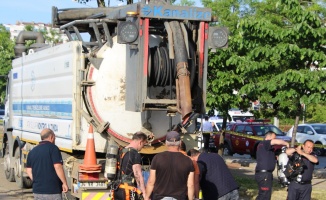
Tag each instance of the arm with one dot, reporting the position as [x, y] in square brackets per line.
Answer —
[150, 183]
[190, 185]
[29, 172]
[279, 142]
[196, 184]
[290, 151]
[59, 170]
[311, 158]
[139, 178]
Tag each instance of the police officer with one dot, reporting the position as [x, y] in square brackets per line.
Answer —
[266, 164]
[300, 187]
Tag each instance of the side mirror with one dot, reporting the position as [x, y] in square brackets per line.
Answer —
[310, 132]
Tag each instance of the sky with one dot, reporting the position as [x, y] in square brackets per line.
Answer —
[12, 11]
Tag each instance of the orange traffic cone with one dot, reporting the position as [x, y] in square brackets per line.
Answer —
[90, 164]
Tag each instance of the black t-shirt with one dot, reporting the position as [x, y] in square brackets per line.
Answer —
[216, 179]
[308, 169]
[42, 159]
[131, 157]
[172, 171]
[265, 156]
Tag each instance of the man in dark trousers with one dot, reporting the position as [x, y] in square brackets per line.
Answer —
[206, 129]
[266, 161]
[44, 167]
[216, 181]
[300, 188]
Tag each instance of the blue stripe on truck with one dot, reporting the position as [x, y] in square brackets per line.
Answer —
[62, 109]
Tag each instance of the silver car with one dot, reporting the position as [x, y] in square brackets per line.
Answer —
[315, 132]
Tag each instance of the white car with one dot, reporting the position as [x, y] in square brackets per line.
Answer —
[314, 132]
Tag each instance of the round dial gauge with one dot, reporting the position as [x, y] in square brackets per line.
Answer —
[219, 38]
[128, 32]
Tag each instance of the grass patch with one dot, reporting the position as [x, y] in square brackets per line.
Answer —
[249, 190]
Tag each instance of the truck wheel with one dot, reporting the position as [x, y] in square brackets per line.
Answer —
[227, 150]
[22, 182]
[9, 172]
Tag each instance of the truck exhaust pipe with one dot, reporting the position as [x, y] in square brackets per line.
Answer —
[183, 75]
[27, 35]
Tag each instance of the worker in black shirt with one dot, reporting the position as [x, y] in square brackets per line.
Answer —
[300, 188]
[266, 164]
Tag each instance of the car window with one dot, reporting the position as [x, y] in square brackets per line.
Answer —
[306, 129]
[320, 129]
[300, 129]
[228, 127]
[261, 130]
[214, 129]
[2, 112]
[248, 129]
[219, 125]
[239, 128]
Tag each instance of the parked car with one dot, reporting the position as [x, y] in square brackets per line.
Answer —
[315, 132]
[2, 113]
[252, 132]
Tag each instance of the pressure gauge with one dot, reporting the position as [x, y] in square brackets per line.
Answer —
[219, 38]
[128, 32]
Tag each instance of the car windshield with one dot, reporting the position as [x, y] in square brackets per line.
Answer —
[261, 130]
[320, 129]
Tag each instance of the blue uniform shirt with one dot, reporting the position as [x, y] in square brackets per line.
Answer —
[265, 156]
[42, 159]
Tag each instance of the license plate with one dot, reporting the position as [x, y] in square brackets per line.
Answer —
[93, 185]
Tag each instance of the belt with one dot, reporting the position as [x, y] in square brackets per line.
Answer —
[263, 171]
[303, 182]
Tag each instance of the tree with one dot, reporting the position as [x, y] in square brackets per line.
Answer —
[271, 47]
[186, 3]
[224, 78]
[6, 55]
[283, 41]
[51, 35]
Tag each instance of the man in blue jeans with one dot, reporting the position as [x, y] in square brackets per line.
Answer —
[44, 167]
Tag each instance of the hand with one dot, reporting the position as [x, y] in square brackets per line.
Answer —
[65, 188]
[299, 150]
[287, 145]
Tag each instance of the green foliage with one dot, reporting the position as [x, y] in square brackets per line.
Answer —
[51, 35]
[272, 47]
[28, 43]
[316, 113]
[226, 78]
[186, 3]
[6, 55]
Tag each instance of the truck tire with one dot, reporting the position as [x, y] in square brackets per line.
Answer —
[22, 182]
[9, 172]
[227, 150]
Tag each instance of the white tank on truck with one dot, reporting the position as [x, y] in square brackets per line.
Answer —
[143, 69]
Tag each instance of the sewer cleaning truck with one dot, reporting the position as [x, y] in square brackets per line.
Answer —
[143, 68]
